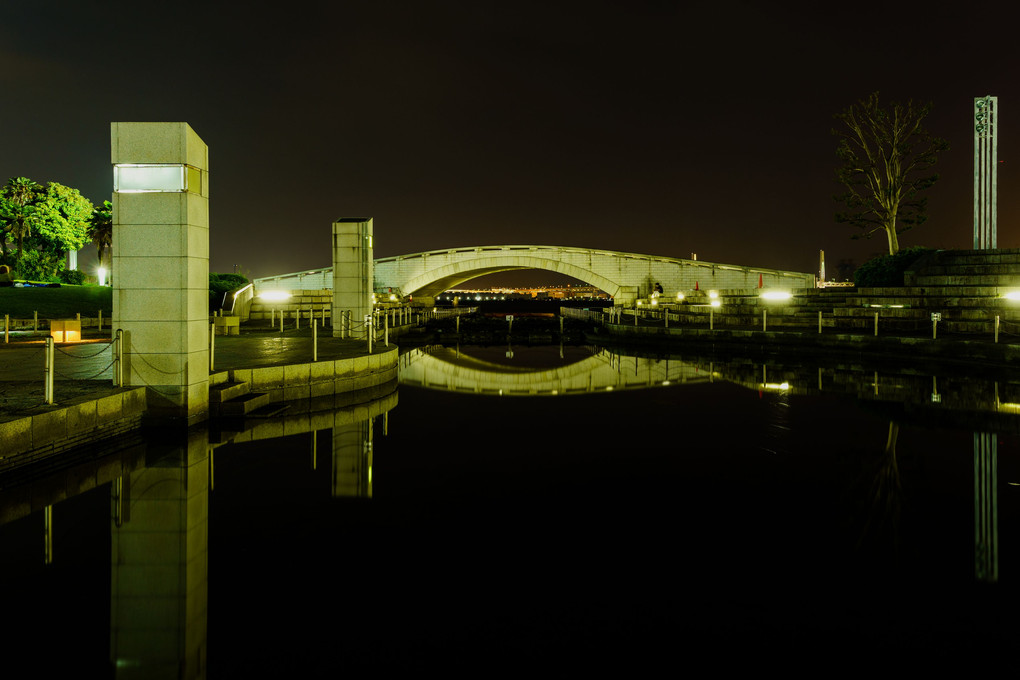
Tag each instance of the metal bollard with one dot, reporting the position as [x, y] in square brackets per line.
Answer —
[764, 319]
[819, 321]
[876, 324]
[368, 331]
[118, 358]
[386, 329]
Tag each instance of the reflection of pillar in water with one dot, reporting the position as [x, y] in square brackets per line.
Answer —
[159, 588]
[352, 459]
[986, 507]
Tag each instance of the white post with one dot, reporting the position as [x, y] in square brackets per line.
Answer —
[281, 320]
[315, 341]
[212, 344]
[996, 328]
[386, 329]
[934, 325]
[368, 333]
[48, 390]
[764, 319]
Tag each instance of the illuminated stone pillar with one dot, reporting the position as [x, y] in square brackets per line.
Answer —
[986, 172]
[352, 459]
[986, 506]
[352, 272]
[161, 263]
[159, 589]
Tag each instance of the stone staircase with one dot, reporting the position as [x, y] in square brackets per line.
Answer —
[229, 398]
[317, 302]
[965, 287]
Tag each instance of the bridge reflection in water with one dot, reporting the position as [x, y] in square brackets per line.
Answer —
[442, 368]
[970, 402]
[162, 490]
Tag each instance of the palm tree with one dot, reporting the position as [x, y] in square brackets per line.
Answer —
[102, 228]
[16, 209]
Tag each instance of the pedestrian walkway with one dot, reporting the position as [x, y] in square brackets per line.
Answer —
[86, 367]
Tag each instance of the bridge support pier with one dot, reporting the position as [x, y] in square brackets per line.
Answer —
[352, 272]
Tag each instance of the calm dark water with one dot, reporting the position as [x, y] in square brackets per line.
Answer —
[741, 525]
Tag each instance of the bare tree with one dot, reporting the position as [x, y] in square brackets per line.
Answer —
[886, 156]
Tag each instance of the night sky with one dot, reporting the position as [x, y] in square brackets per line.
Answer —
[651, 127]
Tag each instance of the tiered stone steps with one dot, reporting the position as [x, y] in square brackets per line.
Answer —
[230, 398]
[965, 287]
[305, 301]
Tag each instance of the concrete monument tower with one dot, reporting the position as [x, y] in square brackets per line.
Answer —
[986, 172]
[161, 263]
[353, 275]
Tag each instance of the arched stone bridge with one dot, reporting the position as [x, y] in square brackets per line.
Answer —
[624, 276]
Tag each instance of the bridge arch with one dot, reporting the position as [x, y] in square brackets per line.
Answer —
[450, 275]
[625, 276]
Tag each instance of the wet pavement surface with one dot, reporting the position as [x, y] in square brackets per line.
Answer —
[85, 370]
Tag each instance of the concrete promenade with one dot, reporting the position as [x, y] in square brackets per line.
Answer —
[87, 367]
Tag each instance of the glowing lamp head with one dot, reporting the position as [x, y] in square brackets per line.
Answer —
[716, 303]
[274, 295]
[712, 294]
[1014, 295]
[102, 276]
[679, 296]
[776, 295]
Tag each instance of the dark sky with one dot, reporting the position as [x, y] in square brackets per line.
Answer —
[651, 127]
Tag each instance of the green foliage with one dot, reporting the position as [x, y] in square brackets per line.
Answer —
[223, 283]
[44, 223]
[17, 213]
[101, 228]
[62, 217]
[886, 271]
[74, 277]
[885, 160]
[36, 265]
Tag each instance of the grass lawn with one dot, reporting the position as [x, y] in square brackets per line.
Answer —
[56, 303]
